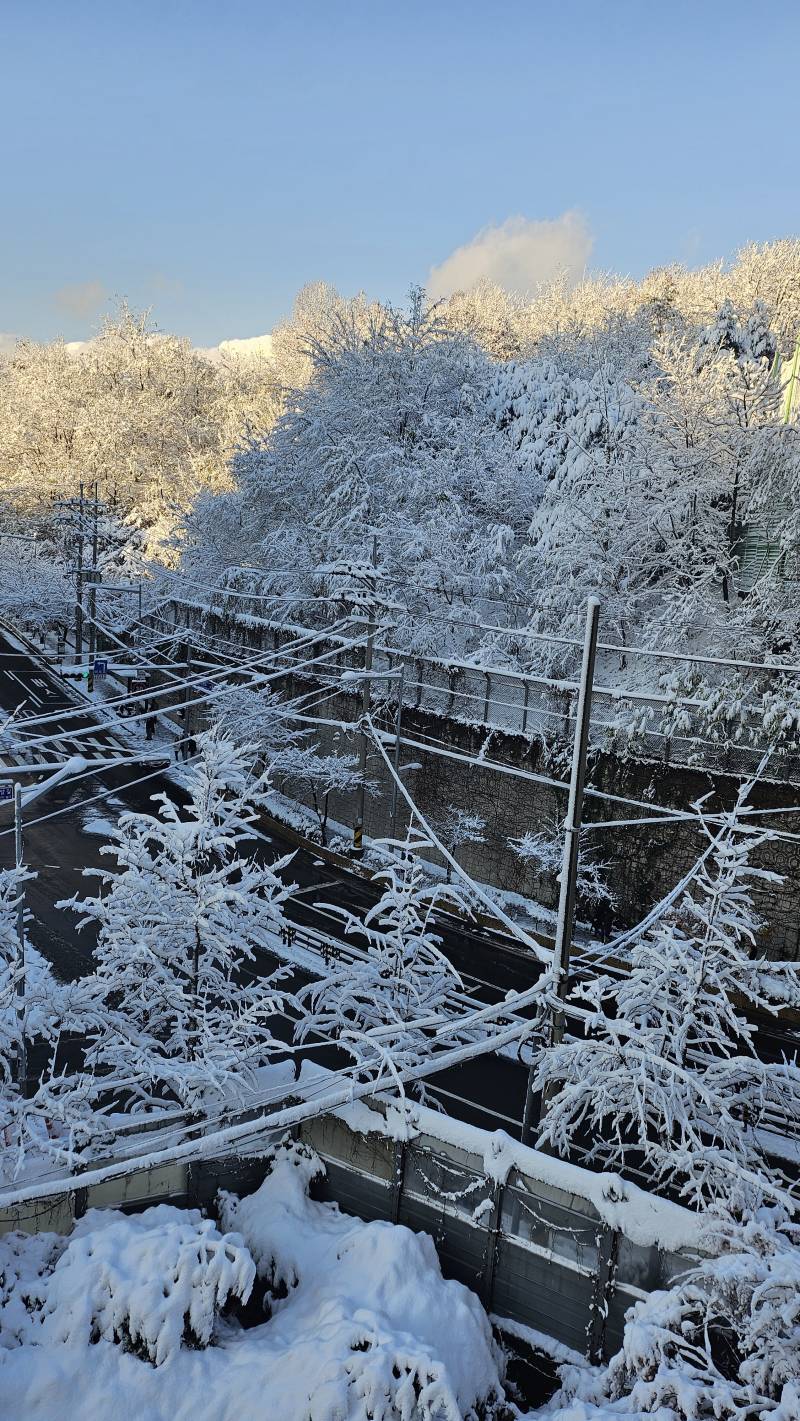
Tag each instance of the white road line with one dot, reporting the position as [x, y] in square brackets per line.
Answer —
[26, 688]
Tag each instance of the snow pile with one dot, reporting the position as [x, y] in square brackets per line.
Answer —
[409, 1337]
[358, 1321]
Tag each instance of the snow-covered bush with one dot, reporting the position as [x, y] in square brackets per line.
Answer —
[360, 1325]
[409, 1343]
[723, 1342]
[153, 1282]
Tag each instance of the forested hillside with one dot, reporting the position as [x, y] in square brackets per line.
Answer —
[509, 457]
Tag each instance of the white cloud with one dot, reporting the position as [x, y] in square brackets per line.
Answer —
[245, 348]
[517, 255]
[82, 298]
[7, 342]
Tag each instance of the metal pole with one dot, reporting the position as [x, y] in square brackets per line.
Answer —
[366, 700]
[569, 866]
[79, 586]
[22, 1044]
[188, 719]
[397, 719]
[93, 595]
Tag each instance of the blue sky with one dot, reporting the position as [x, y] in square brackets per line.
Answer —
[207, 159]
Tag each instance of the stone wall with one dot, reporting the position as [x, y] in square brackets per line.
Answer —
[643, 864]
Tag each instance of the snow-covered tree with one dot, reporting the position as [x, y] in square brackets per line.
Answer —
[255, 716]
[181, 1008]
[398, 976]
[141, 411]
[13, 1013]
[36, 590]
[49, 1115]
[723, 1341]
[319, 776]
[669, 1071]
[543, 850]
[457, 827]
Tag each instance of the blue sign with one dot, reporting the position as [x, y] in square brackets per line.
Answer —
[6, 790]
[100, 667]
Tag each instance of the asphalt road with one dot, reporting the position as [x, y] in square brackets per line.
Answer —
[59, 846]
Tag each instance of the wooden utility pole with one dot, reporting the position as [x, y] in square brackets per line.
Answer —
[565, 922]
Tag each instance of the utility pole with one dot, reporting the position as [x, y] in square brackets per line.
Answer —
[79, 586]
[397, 722]
[22, 1057]
[188, 719]
[93, 596]
[569, 866]
[366, 699]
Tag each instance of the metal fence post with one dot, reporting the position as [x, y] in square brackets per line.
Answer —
[492, 1240]
[602, 1293]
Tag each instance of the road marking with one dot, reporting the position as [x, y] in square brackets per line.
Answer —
[25, 688]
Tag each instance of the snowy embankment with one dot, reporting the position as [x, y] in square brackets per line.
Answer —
[345, 1319]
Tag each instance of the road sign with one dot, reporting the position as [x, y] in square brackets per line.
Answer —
[6, 790]
[100, 667]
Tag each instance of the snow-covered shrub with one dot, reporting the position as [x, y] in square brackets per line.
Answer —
[400, 1343]
[26, 1261]
[724, 1342]
[153, 1282]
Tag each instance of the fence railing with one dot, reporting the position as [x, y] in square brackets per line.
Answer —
[672, 729]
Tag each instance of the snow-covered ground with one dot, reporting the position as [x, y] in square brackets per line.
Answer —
[346, 1319]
